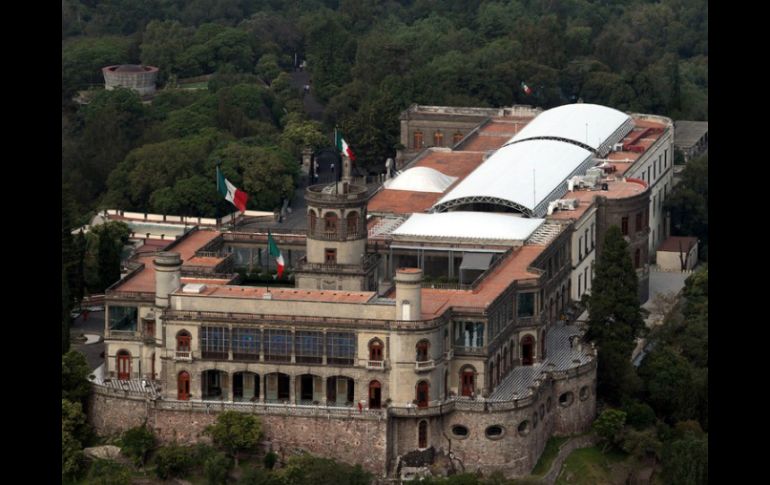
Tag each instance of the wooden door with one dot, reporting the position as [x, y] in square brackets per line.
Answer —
[124, 365]
[183, 386]
[374, 395]
[468, 383]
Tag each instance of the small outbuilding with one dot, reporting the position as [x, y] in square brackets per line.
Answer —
[132, 76]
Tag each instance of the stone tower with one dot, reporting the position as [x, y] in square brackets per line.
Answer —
[336, 239]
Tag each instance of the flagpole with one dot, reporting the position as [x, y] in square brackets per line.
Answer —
[216, 206]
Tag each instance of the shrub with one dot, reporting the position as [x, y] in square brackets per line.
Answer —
[136, 443]
[270, 459]
[172, 461]
[106, 472]
[216, 468]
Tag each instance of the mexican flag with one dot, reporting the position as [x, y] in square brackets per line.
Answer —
[343, 146]
[272, 248]
[527, 89]
[236, 196]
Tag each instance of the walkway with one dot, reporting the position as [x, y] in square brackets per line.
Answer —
[313, 108]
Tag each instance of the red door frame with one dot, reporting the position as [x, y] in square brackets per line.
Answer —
[124, 365]
[527, 343]
[468, 378]
[183, 386]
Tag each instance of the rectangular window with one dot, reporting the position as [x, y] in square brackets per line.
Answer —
[593, 236]
[330, 256]
[624, 226]
[246, 343]
[149, 328]
[585, 235]
[580, 249]
[469, 334]
[214, 342]
[277, 345]
[638, 222]
[665, 158]
[654, 204]
[654, 169]
[580, 282]
[648, 175]
[525, 305]
[309, 347]
[340, 348]
[123, 318]
[585, 278]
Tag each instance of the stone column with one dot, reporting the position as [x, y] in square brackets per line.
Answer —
[292, 390]
[262, 387]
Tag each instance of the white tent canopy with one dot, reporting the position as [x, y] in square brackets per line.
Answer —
[523, 176]
[592, 125]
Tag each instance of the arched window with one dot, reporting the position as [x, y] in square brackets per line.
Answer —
[183, 386]
[492, 374]
[330, 223]
[542, 345]
[313, 219]
[183, 339]
[124, 365]
[527, 350]
[418, 141]
[375, 395]
[375, 349]
[457, 137]
[438, 139]
[422, 434]
[423, 394]
[468, 381]
[422, 350]
[497, 369]
[352, 225]
[505, 359]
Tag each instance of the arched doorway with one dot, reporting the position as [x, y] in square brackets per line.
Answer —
[527, 350]
[375, 395]
[183, 386]
[152, 366]
[124, 365]
[423, 394]
[422, 434]
[468, 381]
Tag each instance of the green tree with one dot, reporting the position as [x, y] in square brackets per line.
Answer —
[137, 443]
[74, 430]
[74, 373]
[685, 460]
[299, 133]
[163, 43]
[235, 432]
[614, 317]
[670, 384]
[66, 309]
[84, 57]
[268, 68]
[609, 427]
[688, 204]
[108, 261]
[642, 444]
[266, 174]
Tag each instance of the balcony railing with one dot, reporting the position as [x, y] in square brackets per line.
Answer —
[183, 355]
[425, 365]
[375, 364]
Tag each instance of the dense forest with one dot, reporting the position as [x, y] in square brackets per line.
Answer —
[368, 60]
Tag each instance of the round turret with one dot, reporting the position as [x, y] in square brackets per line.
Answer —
[168, 276]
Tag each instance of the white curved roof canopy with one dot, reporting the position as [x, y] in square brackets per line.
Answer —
[523, 176]
[421, 179]
[470, 225]
[592, 125]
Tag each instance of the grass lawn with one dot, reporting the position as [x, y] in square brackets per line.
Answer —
[589, 466]
[203, 85]
[549, 454]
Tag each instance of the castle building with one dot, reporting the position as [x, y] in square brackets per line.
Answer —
[432, 315]
[132, 76]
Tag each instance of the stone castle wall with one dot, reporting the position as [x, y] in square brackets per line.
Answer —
[351, 439]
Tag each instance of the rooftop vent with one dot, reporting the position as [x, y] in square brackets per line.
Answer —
[194, 288]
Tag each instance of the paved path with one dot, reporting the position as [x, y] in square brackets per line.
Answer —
[564, 451]
[313, 108]
[93, 326]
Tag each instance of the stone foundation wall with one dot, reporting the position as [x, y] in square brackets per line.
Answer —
[357, 440]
